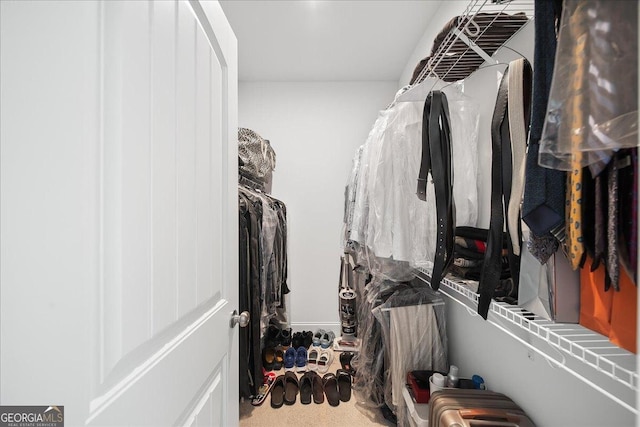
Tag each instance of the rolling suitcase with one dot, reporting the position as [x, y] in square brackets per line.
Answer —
[458, 407]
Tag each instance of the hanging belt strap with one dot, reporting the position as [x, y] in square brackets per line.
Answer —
[520, 75]
[436, 159]
[492, 265]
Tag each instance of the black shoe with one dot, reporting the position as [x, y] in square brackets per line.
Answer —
[277, 392]
[272, 336]
[307, 338]
[345, 361]
[268, 358]
[306, 387]
[297, 340]
[278, 363]
[285, 337]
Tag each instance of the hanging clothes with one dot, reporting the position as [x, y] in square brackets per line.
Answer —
[412, 321]
[592, 118]
[250, 213]
[593, 103]
[360, 176]
[402, 328]
[543, 205]
[396, 227]
[272, 259]
[368, 362]
[590, 131]
[262, 277]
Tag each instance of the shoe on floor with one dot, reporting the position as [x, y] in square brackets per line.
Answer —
[344, 384]
[312, 359]
[272, 336]
[277, 392]
[291, 388]
[278, 363]
[317, 389]
[297, 340]
[317, 337]
[306, 388]
[327, 339]
[301, 359]
[285, 337]
[307, 338]
[290, 358]
[265, 388]
[345, 361]
[324, 361]
[268, 358]
[330, 384]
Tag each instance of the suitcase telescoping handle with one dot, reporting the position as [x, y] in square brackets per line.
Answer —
[489, 414]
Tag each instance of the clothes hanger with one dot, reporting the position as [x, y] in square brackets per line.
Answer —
[419, 92]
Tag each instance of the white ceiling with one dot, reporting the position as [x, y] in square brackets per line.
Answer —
[326, 40]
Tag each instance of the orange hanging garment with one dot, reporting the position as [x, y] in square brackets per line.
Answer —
[595, 303]
[623, 314]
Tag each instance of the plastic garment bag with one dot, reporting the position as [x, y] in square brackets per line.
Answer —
[412, 321]
[388, 217]
[350, 196]
[406, 332]
[395, 215]
[358, 226]
[465, 118]
[593, 102]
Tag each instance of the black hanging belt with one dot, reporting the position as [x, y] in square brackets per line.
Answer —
[500, 176]
[436, 159]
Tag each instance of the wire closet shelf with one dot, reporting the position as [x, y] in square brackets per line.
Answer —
[583, 353]
[477, 33]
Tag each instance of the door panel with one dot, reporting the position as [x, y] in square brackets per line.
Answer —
[127, 29]
[48, 228]
[143, 391]
[185, 125]
[123, 194]
[204, 170]
[164, 189]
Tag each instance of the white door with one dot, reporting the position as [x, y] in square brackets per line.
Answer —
[118, 200]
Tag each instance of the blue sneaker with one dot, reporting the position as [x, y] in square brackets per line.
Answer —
[289, 359]
[301, 359]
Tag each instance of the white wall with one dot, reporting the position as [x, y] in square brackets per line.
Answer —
[314, 128]
[548, 394]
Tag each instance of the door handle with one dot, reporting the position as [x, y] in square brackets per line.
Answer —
[241, 319]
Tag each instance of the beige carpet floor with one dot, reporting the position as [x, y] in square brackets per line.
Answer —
[348, 413]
